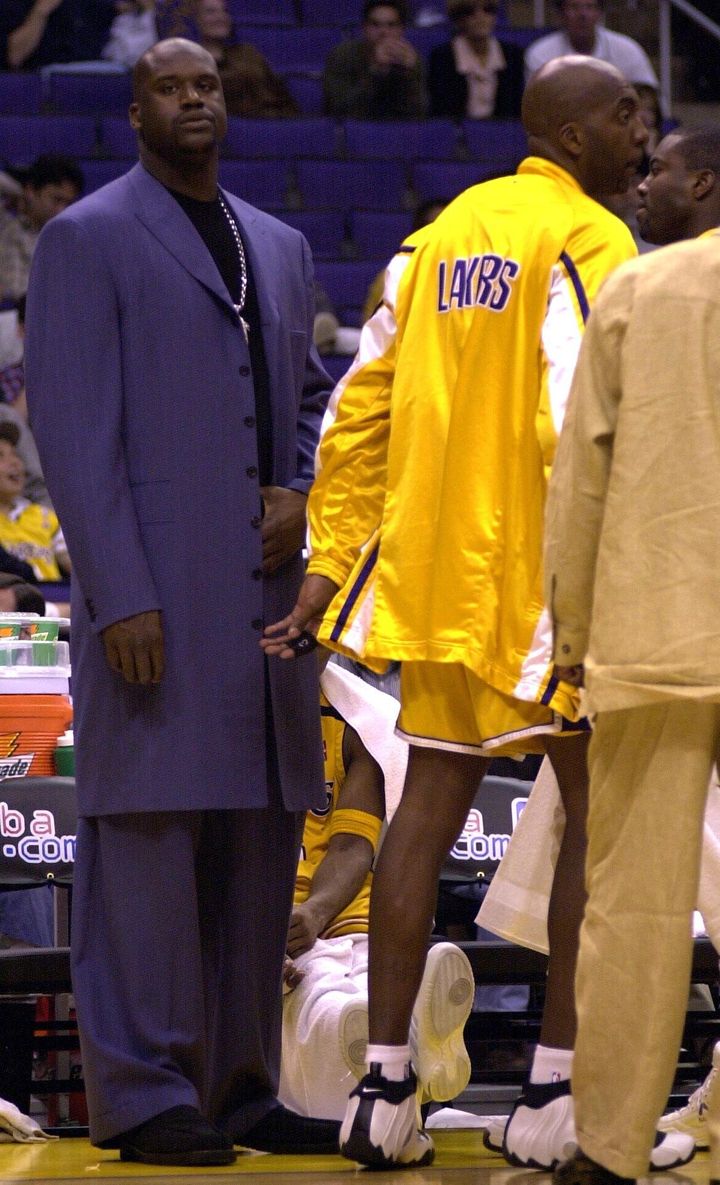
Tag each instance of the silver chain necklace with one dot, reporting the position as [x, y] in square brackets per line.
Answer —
[243, 266]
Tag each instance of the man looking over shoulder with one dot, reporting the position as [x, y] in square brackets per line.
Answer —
[178, 431]
[432, 555]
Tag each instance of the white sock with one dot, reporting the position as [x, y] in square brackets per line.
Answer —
[551, 1065]
[394, 1060]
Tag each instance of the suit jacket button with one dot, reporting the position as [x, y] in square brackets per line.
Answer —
[249, 421]
[244, 370]
[257, 573]
[251, 471]
[255, 521]
[257, 623]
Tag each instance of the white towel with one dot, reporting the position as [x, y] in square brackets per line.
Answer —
[517, 901]
[372, 713]
[18, 1128]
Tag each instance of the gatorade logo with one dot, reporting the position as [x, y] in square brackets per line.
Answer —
[12, 765]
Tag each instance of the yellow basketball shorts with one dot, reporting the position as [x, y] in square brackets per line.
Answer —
[446, 706]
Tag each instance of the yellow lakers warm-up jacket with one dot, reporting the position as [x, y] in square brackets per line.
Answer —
[427, 509]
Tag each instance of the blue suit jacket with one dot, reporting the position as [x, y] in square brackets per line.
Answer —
[143, 407]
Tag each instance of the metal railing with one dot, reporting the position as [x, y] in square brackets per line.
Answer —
[665, 41]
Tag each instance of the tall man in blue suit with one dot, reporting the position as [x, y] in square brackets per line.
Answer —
[177, 398]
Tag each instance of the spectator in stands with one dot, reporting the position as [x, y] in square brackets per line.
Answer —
[133, 31]
[378, 75]
[475, 76]
[583, 32]
[651, 114]
[18, 595]
[325, 1012]
[13, 408]
[27, 530]
[252, 89]
[51, 184]
[11, 565]
[36, 33]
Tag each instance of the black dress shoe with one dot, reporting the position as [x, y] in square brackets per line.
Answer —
[581, 1170]
[284, 1131]
[178, 1136]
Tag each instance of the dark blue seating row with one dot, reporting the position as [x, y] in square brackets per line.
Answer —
[323, 185]
[497, 142]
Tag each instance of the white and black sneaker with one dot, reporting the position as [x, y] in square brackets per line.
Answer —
[540, 1132]
[381, 1128]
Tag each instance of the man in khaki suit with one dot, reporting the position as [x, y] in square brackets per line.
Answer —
[631, 556]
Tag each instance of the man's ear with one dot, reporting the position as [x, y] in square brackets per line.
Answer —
[704, 184]
[572, 138]
[134, 113]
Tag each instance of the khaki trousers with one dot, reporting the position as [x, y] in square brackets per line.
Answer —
[649, 772]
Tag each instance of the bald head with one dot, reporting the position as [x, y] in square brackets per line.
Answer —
[565, 89]
[161, 56]
[582, 114]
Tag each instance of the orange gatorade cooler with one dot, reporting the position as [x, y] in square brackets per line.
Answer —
[35, 708]
[29, 728]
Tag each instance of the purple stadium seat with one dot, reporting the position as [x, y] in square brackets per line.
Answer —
[349, 185]
[87, 93]
[432, 139]
[20, 94]
[260, 182]
[427, 37]
[346, 284]
[342, 13]
[307, 91]
[522, 36]
[323, 229]
[378, 235]
[23, 137]
[280, 137]
[263, 12]
[446, 179]
[300, 51]
[99, 172]
[499, 143]
[117, 138]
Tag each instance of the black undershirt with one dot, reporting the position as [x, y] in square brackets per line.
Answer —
[214, 229]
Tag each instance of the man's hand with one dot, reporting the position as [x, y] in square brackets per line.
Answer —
[303, 930]
[135, 649]
[292, 975]
[316, 593]
[394, 50]
[283, 526]
[574, 675]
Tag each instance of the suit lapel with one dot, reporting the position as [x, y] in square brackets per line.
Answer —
[168, 222]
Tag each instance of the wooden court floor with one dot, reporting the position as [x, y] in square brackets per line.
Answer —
[460, 1159]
